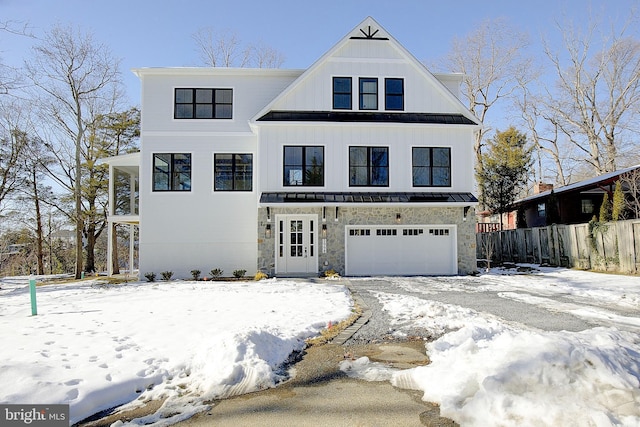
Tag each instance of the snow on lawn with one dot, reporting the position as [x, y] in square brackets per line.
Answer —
[485, 372]
[97, 346]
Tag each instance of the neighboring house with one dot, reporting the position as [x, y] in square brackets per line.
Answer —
[576, 203]
[362, 163]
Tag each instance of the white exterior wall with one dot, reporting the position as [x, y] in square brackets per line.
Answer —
[337, 138]
[202, 228]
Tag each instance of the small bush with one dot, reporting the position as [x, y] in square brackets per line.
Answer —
[216, 272]
[151, 277]
[239, 273]
[331, 274]
[195, 274]
[167, 275]
[260, 275]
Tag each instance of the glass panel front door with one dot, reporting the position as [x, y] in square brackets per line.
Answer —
[296, 252]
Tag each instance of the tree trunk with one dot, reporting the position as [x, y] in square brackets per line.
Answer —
[36, 198]
[90, 265]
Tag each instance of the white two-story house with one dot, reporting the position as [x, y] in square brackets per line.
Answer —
[362, 164]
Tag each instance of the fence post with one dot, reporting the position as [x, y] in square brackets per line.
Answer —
[32, 292]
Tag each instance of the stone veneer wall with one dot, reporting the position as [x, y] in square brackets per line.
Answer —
[334, 258]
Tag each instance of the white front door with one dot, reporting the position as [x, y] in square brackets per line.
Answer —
[297, 244]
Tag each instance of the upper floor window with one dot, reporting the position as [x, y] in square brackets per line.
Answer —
[394, 94]
[172, 172]
[431, 167]
[233, 172]
[303, 165]
[368, 166]
[342, 93]
[203, 104]
[368, 93]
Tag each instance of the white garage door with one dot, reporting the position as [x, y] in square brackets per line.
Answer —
[407, 250]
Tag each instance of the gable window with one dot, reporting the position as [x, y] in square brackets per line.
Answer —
[368, 166]
[233, 172]
[172, 172]
[303, 165]
[431, 167]
[394, 94]
[342, 93]
[203, 104]
[542, 210]
[368, 93]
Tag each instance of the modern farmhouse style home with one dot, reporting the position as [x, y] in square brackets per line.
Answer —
[362, 164]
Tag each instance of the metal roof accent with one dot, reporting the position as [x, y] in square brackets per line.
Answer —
[368, 117]
[366, 197]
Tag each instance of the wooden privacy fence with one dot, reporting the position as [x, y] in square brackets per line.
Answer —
[611, 246]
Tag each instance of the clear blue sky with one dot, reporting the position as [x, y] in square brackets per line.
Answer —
[155, 33]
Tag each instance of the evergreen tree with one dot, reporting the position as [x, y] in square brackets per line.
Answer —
[505, 167]
[605, 209]
[618, 202]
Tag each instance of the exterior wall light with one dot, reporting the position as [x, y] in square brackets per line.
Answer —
[398, 218]
[324, 231]
[466, 211]
[267, 231]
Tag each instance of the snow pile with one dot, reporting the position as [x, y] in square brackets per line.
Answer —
[485, 372]
[96, 346]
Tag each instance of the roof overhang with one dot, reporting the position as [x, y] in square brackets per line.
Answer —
[368, 198]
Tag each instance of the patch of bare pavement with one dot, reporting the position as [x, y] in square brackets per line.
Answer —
[319, 394]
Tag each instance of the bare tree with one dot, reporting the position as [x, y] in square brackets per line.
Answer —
[12, 145]
[225, 49]
[492, 61]
[78, 79]
[596, 94]
[631, 182]
[9, 76]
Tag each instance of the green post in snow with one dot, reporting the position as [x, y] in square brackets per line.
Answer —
[32, 290]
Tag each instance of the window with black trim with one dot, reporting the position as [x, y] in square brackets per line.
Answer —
[172, 172]
[342, 93]
[233, 172]
[369, 166]
[303, 165]
[368, 93]
[394, 94]
[431, 166]
[204, 103]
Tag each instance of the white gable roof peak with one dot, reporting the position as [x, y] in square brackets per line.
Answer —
[370, 29]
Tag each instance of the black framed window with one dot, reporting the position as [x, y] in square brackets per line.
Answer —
[191, 103]
[368, 93]
[233, 172]
[172, 172]
[368, 166]
[303, 165]
[431, 166]
[394, 94]
[342, 93]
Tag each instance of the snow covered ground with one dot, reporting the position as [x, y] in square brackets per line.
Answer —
[96, 346]
[486, 371]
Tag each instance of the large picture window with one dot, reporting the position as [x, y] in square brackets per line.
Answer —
[303, 165]
[342, 93]
[368, 166]
[368, 93]
[203, 104]
[431, 167]
[233, 172]
[394, 94]
[171, 172]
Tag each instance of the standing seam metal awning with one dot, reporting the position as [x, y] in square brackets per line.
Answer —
[366, 197]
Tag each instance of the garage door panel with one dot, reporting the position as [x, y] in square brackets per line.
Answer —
[418, 250]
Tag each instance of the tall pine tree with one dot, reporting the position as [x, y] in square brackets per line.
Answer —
[505, 166]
